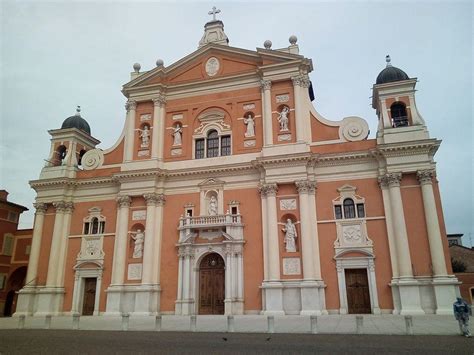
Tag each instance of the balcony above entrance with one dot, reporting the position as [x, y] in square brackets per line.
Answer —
[211, 227]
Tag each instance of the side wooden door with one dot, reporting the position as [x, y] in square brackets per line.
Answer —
[88, 303]
[357, 288]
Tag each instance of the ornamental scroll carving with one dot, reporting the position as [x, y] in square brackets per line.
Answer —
[353, 129]
[92, 159]
[91, 248]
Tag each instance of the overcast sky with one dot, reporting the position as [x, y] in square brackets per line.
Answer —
[56, 55]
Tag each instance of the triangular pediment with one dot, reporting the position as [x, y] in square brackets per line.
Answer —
[211, 182]
[196, 67]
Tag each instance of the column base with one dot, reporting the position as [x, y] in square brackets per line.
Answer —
[185, 307]
[445, 290]
[48, 301]
[272, 291]
[234, 306]
[141, 300]
[313, 298]
[26, 303]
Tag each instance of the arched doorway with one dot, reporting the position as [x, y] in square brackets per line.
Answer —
[15, 282]
[211, 284]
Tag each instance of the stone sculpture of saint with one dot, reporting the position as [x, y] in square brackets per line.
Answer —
[283, 119]
[145, 136]
[250, 122]
[139, 239]
[177, 131]
[212, 209]
[290, 236]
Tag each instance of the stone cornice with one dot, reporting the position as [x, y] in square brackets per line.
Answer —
[346, 158]
[64, 182]
[138, 174]
[409, 148]
[283, 160]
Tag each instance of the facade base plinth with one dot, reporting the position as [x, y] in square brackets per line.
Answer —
[445, 290]
[133, 299]
[312, 298]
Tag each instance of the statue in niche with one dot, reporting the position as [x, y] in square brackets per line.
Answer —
[250, 122]
[290, 236]
[177, 132]
[283, 118]
[212, 209]
[145, 136]
[139, 239]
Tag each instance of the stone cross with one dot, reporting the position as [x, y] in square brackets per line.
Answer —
[214, 12]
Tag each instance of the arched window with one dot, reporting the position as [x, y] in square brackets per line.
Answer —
[81, 153]
[61, 154]
[398, 112]
[95, 222]
[212, 144]
[349, 208]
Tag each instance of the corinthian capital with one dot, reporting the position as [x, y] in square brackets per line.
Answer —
[154, 199]
[69, 207]
[305, 186]
[265, 84]
[393, 179]
[301, 80]
[159, 101]
[425, 176]
[124, 201]
[40, 207]
[383, 181]
[60, 206]
[268, 189]
[130, 105]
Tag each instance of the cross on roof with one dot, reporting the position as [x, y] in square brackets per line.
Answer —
[214, 12]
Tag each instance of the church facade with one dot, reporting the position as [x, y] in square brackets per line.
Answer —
[228, 193]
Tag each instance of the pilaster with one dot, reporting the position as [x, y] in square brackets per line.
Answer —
[301, 84]
[130, 106]
[266, 86]
[157, 143]
[32, 273]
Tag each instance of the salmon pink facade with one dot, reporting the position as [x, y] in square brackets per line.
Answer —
[228, 193]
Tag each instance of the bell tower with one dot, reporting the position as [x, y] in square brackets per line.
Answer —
[394, 101]
[68, 145]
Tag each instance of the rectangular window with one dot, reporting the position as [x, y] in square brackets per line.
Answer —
[338, 211]
[349, 211]
[199, 151]
[101, 227]
[7, 245]
[12, 216]
[3, 279]
[212, 147]
[360, 210]
[86, 228]
[189, 212]
[225, 145]
[234, 210]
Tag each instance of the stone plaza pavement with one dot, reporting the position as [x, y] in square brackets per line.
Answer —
[327, 324]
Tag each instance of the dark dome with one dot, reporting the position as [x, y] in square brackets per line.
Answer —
[391, 74]
[78, 122]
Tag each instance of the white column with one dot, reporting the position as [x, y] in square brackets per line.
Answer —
[150, 238]
[400, 230]
[131, 106]
[266, 86]
[32, 272]
[314, 230]
[64, 243]
[158, 237]
[121, 236]
[264, 234]
[306, 242]
[186, 274]
[240, 275]
[432, 223]
[228, 275]
[272, 232]
[303, 124]
[157, 143]
[179, 296]
[55, 243]
[388, 221]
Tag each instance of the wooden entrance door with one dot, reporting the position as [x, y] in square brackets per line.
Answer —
[357, 287]
[211, 285]
[89, 296]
